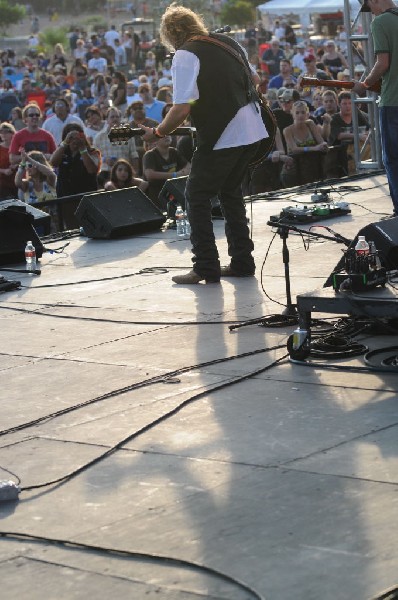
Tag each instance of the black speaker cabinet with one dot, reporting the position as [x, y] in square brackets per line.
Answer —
[16, 228]
[385, 236]
[42, 220]
[109, 215]
[174, 189]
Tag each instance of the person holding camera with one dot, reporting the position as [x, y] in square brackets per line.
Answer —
[77, 162]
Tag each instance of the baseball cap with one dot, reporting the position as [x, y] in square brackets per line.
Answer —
[281, 91]
[290, 95]
[300, 45]
[365, 6]
[309, 57]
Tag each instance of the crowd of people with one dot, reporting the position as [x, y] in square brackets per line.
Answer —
[56, 112]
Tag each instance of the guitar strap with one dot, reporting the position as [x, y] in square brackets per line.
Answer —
[394, 11]
[240, 57]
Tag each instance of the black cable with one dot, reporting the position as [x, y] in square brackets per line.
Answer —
[176, 562]
[339, 367]
[389, 363]
[129, 388]
[18, 481]
[145, 428]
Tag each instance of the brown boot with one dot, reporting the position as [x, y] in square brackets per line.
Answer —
[229, 272]
[192, 278]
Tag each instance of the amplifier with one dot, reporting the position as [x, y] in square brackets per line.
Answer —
[42, 220]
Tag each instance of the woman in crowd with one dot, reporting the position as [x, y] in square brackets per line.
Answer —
[59, 56]
[99, 88]
[8, 188]
[77, 162]
[302, 137]
[35, 178]
[118, 91]
[123, 176]
[333, 60]
[94, 122]
[16, 118]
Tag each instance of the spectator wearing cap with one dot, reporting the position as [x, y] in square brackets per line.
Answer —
[333, 60]
[359, 70]
[136, 116]
[285, 77]
[59, 119]
[344, 75]
[311, 70]
[153, 107]
[164, 82]
[272, 57]
[283, 115]
[97, 64]
[298, 63]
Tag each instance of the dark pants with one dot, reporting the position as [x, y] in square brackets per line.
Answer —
[219, 173]
[389, 141]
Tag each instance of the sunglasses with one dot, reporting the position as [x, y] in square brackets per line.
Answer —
[34, 115]
[6, 131]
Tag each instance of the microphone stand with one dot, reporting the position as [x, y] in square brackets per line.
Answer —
[283, 231]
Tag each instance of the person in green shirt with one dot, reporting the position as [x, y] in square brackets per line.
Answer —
[384, 30]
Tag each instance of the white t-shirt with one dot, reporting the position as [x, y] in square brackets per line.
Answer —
[245, 128]
[110, 37]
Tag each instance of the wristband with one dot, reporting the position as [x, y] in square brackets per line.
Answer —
[83, 151]
[21, 165]
[157, 134]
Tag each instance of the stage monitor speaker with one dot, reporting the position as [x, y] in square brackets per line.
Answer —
[174, 189]
[118, 213]
[16, 228]
[42, 220]
[385, 236]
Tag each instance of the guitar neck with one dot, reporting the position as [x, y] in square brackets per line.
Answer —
[333, 83]
[122, 133]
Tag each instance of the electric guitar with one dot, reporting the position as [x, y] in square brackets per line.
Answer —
[335, 83]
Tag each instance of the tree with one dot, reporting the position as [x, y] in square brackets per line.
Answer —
[10, 15]
[238, 12]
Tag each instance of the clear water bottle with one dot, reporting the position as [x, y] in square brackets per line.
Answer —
[187, 232]
[362, 246]
[30, 256]
[180, 222]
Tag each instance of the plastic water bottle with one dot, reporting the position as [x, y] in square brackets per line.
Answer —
[180, 222]
[362, 246]
[187, 232]
[30, 257]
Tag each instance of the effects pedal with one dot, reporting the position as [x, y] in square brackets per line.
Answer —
[311, 213]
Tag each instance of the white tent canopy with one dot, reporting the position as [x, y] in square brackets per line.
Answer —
[303, 8]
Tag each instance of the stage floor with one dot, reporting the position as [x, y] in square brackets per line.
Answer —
[229, 456]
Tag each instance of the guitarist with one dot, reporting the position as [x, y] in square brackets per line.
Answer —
[384, 29]
[217, 90]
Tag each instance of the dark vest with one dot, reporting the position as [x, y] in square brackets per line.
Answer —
[223, 87]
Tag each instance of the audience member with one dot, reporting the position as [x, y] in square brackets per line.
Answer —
[272, 57]
[59, 119]
[162, 163]
[94, 122]
[153, 107]
[77, 161]
[123, 176]
[31, 137]
[118, 91]
[333, 60]
[8, 188]
[285, 77]
[111, 152]
[35, 178]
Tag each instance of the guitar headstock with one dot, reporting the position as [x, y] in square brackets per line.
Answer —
[120, 134]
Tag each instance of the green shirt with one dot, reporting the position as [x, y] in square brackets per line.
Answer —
[385, 39]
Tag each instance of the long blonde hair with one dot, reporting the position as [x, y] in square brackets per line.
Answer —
[178, 24]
